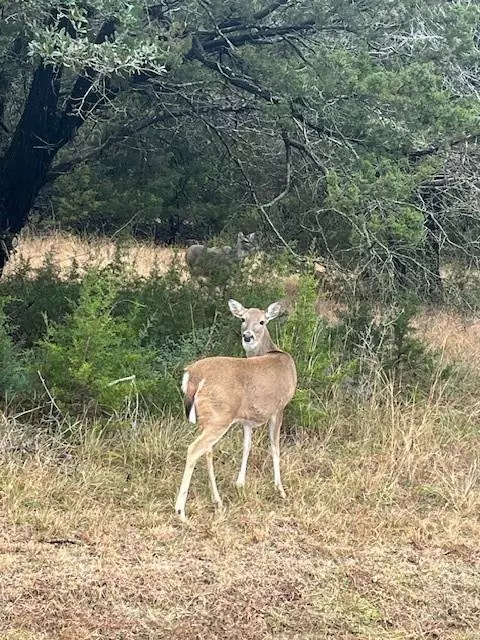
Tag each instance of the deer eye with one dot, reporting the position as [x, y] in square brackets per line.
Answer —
[262, 322]
[243, 319]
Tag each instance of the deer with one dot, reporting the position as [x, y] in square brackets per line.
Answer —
[221, 391]
[205, 261]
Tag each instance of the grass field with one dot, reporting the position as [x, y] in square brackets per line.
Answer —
[66, 248]
[379, 537]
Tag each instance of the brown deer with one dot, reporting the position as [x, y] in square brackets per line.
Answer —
[221, 391]
[206, 261]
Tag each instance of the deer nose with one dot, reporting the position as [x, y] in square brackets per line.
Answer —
[248, 336]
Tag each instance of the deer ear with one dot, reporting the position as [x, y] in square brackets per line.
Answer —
[251, 237]
[240, 235]
[273, 311]
[237, 309]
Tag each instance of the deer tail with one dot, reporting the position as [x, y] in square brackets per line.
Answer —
[190, 390]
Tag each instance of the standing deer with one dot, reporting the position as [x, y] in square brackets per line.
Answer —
[205, 261]
[221, 391]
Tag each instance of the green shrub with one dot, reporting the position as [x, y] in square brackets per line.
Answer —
[351, 357]
[306, 337]
[94, 359]
[36, 297]
[111, 335]
[112, 338]
[171, 310]
[14, 372]
[384, 343]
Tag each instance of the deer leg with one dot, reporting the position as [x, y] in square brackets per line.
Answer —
[205, 442]
[275, 424]
[247, 445]
[213, 483]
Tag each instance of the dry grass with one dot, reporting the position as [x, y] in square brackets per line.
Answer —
[457, 337]
[65, 248]
[378, 538]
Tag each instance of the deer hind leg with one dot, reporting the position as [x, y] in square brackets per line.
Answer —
[275, 424]
[247, 445]
[213, 483]
[203, 444]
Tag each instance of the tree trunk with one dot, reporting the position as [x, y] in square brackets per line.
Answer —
[24, 167]
[42, 131]
[432, 259]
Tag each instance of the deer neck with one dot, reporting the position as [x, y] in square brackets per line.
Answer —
[265, 346]
[240, 252]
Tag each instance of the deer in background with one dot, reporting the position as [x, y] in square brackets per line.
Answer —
[222, 391]
[205, 261]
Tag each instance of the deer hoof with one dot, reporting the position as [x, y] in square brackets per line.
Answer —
[181, 515]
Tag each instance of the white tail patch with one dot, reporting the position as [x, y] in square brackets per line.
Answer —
[192, 415]
[185, 379]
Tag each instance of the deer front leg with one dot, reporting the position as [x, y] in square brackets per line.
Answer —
[275, 424]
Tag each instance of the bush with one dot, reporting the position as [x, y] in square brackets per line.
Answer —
[170, 310]
[384, 344]
[95, 359]
[351, 357]
[112, 338]
[306, 336]
[14, 373]
[36, 297]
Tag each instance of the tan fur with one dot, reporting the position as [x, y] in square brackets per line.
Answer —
[205, 261]
[237, 389]
[251, 391]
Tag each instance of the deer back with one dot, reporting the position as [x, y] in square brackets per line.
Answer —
[202, 260]
[242, 389]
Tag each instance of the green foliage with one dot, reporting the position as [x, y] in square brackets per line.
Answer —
[384, 345]
[132, 50]
[34, 298]
[302, 336]
[123, 341]
[14, 373]
[306, 337]
[351, 357]
[94, 359]
[373, 110]
[170, 309]
[171, 196]
[110, 337]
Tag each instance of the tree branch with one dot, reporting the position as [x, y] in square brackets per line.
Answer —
[83, 98]
[266, 205]
[433, 149]
[255, 35]
[242, 82]
[269, 9]
[126, 133]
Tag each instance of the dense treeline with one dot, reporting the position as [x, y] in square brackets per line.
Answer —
[346, 128]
